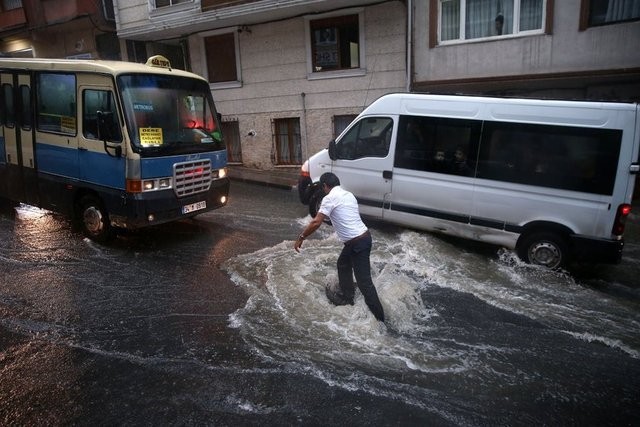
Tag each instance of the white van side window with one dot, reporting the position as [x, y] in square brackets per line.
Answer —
[564, 157]
[370, 137]
[438, 145]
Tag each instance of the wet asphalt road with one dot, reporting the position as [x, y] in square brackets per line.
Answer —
[139, 333]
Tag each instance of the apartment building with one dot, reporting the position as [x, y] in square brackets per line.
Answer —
[287, 76]
[58, 29]
[567, 49]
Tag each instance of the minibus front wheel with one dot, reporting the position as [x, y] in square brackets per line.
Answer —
[544, 248]
[94, 219]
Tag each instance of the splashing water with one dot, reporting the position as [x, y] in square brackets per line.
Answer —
[288, 319]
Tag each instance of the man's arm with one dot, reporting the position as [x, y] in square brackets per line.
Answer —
[315, 223]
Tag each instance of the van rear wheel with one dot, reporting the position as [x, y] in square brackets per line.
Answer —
[544, 248]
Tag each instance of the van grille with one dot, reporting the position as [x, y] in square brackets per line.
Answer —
[191, 177]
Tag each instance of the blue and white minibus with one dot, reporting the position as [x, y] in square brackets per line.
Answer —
[551, 179]
[113, 144]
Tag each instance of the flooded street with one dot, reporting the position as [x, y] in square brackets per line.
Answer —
[218, 321]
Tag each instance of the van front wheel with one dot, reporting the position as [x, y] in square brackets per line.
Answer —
[544, 248]
[314, 202]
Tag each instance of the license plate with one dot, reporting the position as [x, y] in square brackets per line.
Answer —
[194, 207]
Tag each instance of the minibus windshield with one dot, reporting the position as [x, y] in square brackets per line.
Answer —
[169, 115]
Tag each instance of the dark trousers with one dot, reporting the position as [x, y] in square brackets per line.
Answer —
[354, 259]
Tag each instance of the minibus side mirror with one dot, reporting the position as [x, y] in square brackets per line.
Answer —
[332, 149]
[105, 127]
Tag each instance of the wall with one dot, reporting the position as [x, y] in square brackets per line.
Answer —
[273, 59]
[565, 50]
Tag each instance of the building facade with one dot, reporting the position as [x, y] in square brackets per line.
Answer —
[287, 76]
[58, 29]
[566, 49]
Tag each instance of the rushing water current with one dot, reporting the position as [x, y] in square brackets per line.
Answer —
[460, 326]
[238, 323]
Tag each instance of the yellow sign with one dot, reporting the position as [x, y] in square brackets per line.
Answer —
[68, 124]
[151, 136]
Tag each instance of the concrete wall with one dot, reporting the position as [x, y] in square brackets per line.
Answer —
[273, 59]
[610, 47]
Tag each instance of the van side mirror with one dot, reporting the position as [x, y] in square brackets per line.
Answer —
[332, 149]
[105, 130]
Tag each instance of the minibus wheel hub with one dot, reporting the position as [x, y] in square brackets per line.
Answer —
[93, 220]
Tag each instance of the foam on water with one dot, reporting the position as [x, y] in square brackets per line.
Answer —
[288, 318]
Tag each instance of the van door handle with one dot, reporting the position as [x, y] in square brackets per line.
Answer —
[387, 174]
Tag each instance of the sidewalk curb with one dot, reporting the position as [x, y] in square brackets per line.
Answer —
[281, 178]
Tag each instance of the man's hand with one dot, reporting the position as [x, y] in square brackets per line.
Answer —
[315, 223]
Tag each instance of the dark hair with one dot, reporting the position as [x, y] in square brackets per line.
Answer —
[500, 18]
[330, 179]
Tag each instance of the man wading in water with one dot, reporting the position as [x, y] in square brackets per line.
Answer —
[341, 207]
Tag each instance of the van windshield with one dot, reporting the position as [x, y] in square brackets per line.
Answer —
[169, 115]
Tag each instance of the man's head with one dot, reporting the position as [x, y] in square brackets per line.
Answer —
[328, 180]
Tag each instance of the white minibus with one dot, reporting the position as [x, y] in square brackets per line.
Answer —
[112, 144]
[551, 179]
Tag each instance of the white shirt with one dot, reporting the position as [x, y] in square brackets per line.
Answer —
[341, 207]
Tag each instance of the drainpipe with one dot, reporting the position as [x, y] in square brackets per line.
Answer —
[305, 153]
[409, 43]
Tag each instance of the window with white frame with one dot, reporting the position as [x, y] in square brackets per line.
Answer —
[335, 43]
[603, 12]
[11, 4]
[476, 19]
[165, 3]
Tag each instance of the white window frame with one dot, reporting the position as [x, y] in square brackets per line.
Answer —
[187, 6]
[516, 25]
[11, 5]
[203, 54]
[361, 71]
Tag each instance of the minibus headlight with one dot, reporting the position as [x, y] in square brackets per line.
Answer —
[139, 186]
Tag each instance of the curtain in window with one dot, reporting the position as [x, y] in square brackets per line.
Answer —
[620, 10]
[288, 143]
[12, 4]
[282, 131]
[530, 15]
[450, 20]
[487, 18]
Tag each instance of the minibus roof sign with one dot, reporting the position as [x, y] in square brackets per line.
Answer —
[159, 61]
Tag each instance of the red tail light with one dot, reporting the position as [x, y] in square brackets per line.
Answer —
[621, 218]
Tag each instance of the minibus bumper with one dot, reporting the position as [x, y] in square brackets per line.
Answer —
[604, 251]
[159, 207]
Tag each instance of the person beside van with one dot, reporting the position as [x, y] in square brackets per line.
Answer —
[341, 207]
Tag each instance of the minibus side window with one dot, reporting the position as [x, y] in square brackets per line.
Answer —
[9, 118]
[56, 106]
[370, 137]
[99, 100]
[25, 107]
[563, 157]
[440, 145]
